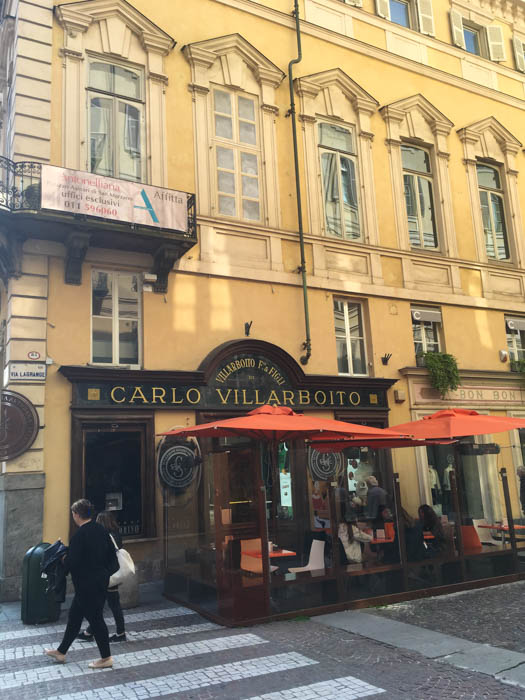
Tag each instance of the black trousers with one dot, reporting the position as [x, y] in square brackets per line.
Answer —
[89, 605]
[113, 598]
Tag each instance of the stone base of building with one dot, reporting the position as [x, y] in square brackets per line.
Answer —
[21, 518]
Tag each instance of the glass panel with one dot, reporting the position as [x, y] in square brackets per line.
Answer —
[128, 125]
[127, 82]
[399, 13]
[354, 321]
[351, 206]
[101, 76]
[488, 177]
[246, 109]
[247, 133]
[331, 194]
[358, 357]
[225, 158]
[128, 343]
[498, 215]
[226, 182]
[102, 339]
[409, 182]
[128, 298]
[250, 210]
[426, 207]
[342, 356]
[113, 476]
[336, 137]
[250, 186]
[101, 136]
[339, 316]
[226, 205]
[222, 102]
[415, 159]
[471, 40]
[223, 127]
[249, 164]
[102, 294]
[487, 223]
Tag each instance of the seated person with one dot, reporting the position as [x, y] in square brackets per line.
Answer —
[376, 500]
[430, 522]
[351, 536]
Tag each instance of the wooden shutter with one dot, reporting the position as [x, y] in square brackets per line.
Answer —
[518, 54]
[496, 45]
[383, 8]
[456, 25]
[355, 3]
[425, 16]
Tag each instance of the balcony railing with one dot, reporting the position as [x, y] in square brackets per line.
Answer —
[21, 190]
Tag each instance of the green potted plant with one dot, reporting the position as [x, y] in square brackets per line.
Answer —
[443, 371]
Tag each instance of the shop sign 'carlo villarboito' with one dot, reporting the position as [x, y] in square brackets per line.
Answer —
[242, 382]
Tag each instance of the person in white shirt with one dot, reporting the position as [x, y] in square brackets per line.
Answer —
[351, 537]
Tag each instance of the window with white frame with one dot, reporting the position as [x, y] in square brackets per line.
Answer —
[419, 198]
[413, 14]
[339, 181]
[115, 119]
[515, 328]
[492, 211]
[115, 318]
[475, 39]
[519, 53]
[237, 155]
[350, 338]
[426, 329]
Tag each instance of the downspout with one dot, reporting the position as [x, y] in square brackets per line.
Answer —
[307, 345]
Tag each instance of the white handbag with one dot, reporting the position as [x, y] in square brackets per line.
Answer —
[125, 564]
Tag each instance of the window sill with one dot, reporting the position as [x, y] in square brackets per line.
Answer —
[108, 366]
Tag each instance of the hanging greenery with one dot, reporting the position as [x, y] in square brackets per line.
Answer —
[443, 371]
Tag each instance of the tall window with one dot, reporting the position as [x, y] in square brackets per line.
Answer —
[417, 182]
[515, 338]
[115, 318]
[426, 330]
[400, 13]
[339, 178]
[350, 338]
[237, 156]
[492, 211]
[116, 108]
[473, 40]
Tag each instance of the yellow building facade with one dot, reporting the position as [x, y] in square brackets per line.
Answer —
[410, 166]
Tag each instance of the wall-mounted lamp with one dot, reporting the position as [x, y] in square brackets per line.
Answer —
[503, 355]
[386, 357]
[247, 327]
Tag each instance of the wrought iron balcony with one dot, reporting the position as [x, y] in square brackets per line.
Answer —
[80, 209]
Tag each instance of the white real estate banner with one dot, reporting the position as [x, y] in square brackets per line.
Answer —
[79, 192]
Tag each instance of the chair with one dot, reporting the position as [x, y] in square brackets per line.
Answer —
[485, 535]
[315, 559]
[253, 564]
[471, 541]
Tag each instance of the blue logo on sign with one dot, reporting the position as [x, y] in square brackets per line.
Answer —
[148, 206]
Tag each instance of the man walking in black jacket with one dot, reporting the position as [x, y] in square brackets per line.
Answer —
[91, 560]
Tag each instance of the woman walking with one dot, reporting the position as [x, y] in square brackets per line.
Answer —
[91, 559]
[107, 520]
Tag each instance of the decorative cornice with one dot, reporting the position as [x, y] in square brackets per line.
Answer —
[77, 17]
[473, 132]
[398, 110]
[311, 85]
[76, 247]
[204, 53]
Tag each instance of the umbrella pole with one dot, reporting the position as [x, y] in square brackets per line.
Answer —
[510, 519]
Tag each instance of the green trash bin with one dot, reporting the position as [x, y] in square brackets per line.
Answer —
[37, 605]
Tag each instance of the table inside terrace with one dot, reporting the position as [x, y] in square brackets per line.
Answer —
[274, 553]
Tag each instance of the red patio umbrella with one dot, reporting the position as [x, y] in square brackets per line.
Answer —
[278, 424]
[337, 445]
[457, 422]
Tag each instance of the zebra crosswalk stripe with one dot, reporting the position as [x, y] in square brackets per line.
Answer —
[346, 688]
[55, 672]
[191, 680]
[38, 631]
[14, 653]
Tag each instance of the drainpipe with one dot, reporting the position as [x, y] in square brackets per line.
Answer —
[307, 345]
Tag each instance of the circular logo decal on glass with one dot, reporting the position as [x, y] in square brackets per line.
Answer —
[324, 466]
[179, 464]
[18, 424]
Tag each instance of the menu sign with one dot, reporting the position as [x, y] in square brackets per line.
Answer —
[78, 192]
